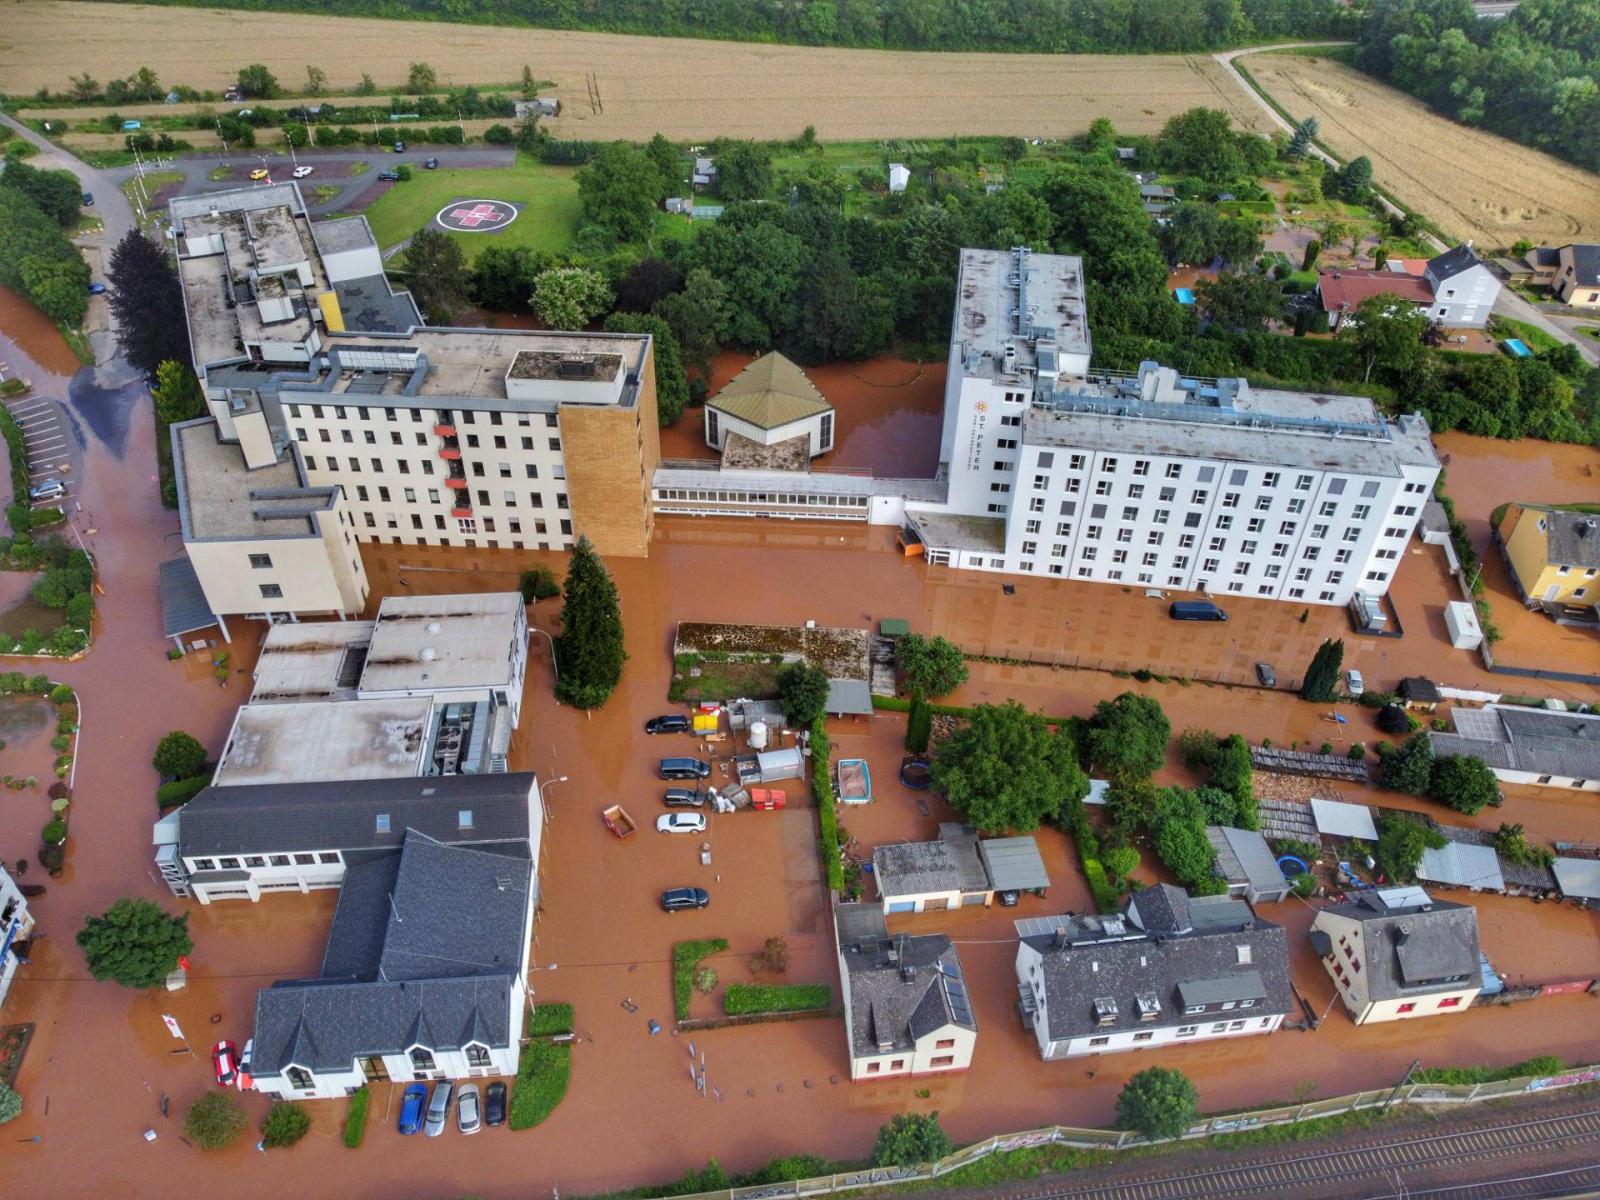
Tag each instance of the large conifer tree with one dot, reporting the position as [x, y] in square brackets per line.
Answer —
[1322, 676]
[589, 652]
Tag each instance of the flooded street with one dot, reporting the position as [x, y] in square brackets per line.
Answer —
[101, 1060]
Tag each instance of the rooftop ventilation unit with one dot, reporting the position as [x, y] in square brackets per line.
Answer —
[1105, 1010]
[1149, 1006]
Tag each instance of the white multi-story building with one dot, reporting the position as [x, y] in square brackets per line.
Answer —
[16, 926]
[1205, 485]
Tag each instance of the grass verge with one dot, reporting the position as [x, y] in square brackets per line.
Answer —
[1531, 336]
[355, 1121]
[686, 957]
[742, 998]
[78, 340]
[1544, 1064]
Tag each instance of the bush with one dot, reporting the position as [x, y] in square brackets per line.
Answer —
[214, 1121]
[1197, 747]
[785, 1170]
[285, 1125]
[911, 1139]
[919, 726]
[1543, 1064]
[773, 957]
[827, 809]
[1464, 783]
[62, 694]
[743, 998]
[179, 756]
[10, 1104]
[543, 1073]
[404, 172]
[549, 1019]
[1106, 897]
[538, 583]
[1158, 1103]
[686, 957]
[180, 791]
[1121, 862]
[355, 1121]
[55, 832]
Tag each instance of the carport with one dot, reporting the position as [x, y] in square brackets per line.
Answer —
[1014, 864]
[1463, 864]
[184, 608]
[848, 698]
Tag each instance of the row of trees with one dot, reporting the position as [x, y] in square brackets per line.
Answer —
[37, 258]
[1530, 77]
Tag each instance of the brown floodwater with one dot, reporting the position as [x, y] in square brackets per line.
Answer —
[30, 345]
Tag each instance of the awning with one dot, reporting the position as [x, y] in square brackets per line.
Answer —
[184, 607]
[1014, 864]
[1336, 819]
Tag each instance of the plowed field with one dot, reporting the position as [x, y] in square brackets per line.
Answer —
[685, 89]
[1474, 184]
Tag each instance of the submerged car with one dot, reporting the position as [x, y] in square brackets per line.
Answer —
[388, 176]
[246, 1083]
[678, 899]
[683, 798]
[1265, 675]
[494, 1105]
[225, 1063]
[302, 172]
[671, 723]
[259, 173]
[411, 1106]
[681, 822]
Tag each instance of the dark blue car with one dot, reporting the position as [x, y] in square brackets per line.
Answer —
[416, 1098]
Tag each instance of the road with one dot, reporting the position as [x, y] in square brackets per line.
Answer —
[332, 168]
[1509, 303]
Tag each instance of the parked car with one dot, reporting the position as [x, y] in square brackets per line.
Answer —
[684, 768]
[259, 173]
[439, 1108]
[684, 798]
[681, 823]
[225, 1062]
[494, 1105]
[677, 899]
[246, 1082]
[1196, 610]
[432, 164]
[49, 489]
[88, 199]
[97, 288]
[399, 147]
[469, 1118]
[388, 176]
[1354, 684]
[671, 723]
[302, 172]
[411, 1106]
[1265, 675]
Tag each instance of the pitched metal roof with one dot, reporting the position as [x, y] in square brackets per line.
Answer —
[1578, 877]
[286, 817]
[1250, 854]
[1014, 863]
[769, 393]
[425, 948]
[184, 607]
[1335, 818]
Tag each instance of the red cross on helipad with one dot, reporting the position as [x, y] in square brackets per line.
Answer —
[476, 215]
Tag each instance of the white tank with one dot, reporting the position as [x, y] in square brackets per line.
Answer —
[758, 735]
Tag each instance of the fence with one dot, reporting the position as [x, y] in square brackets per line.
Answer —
[1112, 1139]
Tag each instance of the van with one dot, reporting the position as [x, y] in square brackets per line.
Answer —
[1196, 610]
[50, 489]
[684, 768]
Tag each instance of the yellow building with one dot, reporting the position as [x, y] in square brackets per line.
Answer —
[1554, 557]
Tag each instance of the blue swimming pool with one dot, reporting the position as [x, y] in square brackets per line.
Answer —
[1518, 348]
[1184, 295]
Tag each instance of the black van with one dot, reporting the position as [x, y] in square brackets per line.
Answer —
[684, 768]
[1196, 610]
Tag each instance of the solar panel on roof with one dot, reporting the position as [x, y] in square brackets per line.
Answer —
[960, 1007]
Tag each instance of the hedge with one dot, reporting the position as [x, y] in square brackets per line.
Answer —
[742, 998]
[355, 1121]
[1106, 897]
[1544, 1064]
[547, 1019]
[686, 957]
[543, 1073]
[180, 791]
[827, 812]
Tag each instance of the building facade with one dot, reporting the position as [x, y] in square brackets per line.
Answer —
[16, 928]
[1576, 279]
[1554, 557]
[1171, 968]
[1464, 288]
[1396, 954]
[1542, 747]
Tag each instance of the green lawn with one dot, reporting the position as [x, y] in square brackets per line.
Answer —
[1532, 336]
[549, 196]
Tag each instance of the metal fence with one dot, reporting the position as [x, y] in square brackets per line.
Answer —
[1112, 1139]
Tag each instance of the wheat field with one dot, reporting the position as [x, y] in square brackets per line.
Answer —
[1472, 183]
[685, 89]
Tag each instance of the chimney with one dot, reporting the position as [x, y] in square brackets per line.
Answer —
[908, 973]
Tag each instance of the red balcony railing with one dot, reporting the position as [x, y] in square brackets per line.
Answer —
[445, 430]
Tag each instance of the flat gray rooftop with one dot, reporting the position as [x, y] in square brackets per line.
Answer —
[430, 643]
[326, 740]
[303, 660]
[180, 208]
[948, 532]
[221, 496]
[472, 363]
[345, 233]
[987, 315]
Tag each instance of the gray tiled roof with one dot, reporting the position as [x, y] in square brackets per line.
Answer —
[889, 1011]
[1574, 538]
[1212, 964]
[949, 863]
[1453, 261]
[1586, 263]
[1536, 740]
[1437, 941]
[286, 817]
[425, 948]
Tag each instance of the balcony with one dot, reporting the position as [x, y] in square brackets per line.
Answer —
[459, 481]
[450, 454]
[461, 510]
[445, 431]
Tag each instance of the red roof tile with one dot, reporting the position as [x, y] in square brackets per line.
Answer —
[1342, 290]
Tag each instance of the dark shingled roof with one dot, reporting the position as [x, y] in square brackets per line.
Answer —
[1541, 741]
[426, 946]
[1585, 264]
[1453, 262]
[901, 989]
[1413, 942]
[286, 817]
[1200, 951]
[1423, 691]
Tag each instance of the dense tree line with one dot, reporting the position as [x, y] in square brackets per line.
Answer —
[1056, 26]
[36, 258]
[1530, 76]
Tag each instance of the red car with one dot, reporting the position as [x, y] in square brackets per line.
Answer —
[225, 1062]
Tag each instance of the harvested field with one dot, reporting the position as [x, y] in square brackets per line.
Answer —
[1474, 184]
[685, 89]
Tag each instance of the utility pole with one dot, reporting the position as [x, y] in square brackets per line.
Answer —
[1404, 1079]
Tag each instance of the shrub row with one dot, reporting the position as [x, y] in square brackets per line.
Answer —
[547, 1019]
[177, 792]
[827, 811]
[543, 1073]
[742, 998]
[355, 1122]
[686, 957]
[1544, 1064]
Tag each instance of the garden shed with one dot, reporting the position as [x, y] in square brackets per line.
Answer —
[1336, 819]
[1014, 864]
[1247, 865]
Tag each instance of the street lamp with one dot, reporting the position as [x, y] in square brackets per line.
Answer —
[542, 787]
[554, 666]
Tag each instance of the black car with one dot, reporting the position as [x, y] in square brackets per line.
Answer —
[494, 1104]
[674, 899]
[1265, 675]
[671, 723]
[684, 768]
[684, 798]
[389, 176]
[432, 164]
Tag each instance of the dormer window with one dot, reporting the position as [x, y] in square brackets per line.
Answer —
[421, 1059]
[299, 1078]
[477, 1055]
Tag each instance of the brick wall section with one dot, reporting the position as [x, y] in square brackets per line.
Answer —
[611, 456]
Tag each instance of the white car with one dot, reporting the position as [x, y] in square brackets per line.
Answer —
[302, 172]
[1354, 684]
[681, 822]
[468, 1117]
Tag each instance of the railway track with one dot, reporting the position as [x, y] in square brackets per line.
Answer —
[1383, 1161]
[1574, 1182]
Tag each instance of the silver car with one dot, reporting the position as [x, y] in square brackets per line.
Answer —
[469, 1118]
[438, 1108]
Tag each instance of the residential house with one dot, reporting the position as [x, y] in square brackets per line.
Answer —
[16, 928]
[769, 408]
[1543, 262]
[956, 870]
[424, 976]
[1247, 864]
[705, 171]
[1341, 289]
[1396, 953]
[1576, 279]
[907, 1010]
[1554, 559]
[1171, 968]
[1464, 288]
[1545, 747]
[242, 841]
